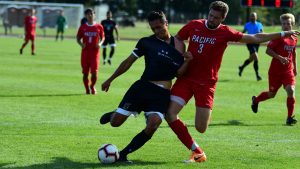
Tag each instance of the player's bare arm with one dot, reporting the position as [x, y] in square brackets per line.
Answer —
[101, 40]
[123, 67]
[80, 43]
[283, 60]
[264, 37]
[295, 63]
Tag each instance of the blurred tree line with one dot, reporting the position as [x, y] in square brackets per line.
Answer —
[185, 10]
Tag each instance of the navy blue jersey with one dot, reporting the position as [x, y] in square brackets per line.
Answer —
[161, 59]
[109, 26]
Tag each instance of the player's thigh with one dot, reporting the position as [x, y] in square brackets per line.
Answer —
[202, 118]
[289, 83]
[275, 82]
[117, 119]
[94, 60]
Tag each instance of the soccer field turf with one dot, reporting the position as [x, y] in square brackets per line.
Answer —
[46, 120]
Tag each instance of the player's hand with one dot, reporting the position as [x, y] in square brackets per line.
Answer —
[295, 72]
[187, 56]
[83, 46]
[98, 45]
[291, 33]
[118, 38]
[105, 85]
[284, 60]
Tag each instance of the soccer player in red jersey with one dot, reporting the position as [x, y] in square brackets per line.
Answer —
[92, 35]
[283, 69]
[208, 40]
[29, 26]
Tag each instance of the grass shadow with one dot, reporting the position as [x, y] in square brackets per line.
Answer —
[43, 95]
[63, 162]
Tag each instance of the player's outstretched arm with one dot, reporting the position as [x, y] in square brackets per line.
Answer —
[264, 37]
[123, 67]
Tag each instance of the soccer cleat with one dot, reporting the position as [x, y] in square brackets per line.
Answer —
[105, 118]
[258, 78]
[196, 157]
[104, 62]
[93, 90]
[123, 159]
[21, 51]
[32, 53]
[254, 105]
[291, 121]
[109, 61]
[240, 71]
[87, 91]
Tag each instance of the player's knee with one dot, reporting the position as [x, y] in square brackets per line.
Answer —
[115, 123]
[271, 94]
[152, 125]
[201, 128]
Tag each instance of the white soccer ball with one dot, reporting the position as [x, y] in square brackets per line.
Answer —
[108, 153]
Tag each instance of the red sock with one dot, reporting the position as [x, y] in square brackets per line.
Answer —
[86, 84]
[262, 97]
[290, 103]
[93, 80]
[32, 47]
[183, 134]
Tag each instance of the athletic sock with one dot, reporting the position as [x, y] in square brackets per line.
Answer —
[32, 48]
[247, 61]
[93, 80]
[255, 66]
[262, 97]
[290, 103]
[183, 135]
[86, 84]
[137, 142]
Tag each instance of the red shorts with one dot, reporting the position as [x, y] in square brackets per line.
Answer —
[203, 93]
[277, 80]
[89, 61]
[29, 36]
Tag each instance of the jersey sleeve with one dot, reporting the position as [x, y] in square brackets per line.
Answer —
[139, 50]
[185, 30]
[234, 35]
[101, 33]
[273, 44]
[80, 32]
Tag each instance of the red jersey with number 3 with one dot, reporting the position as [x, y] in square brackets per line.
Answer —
[30, 24]
[284, 47]
[207, 47]
[91, 34]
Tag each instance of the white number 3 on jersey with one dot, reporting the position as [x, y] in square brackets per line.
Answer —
[200, 49]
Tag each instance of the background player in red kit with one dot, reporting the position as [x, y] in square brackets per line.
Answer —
[208, 40]
[92, 36]
[29, 26]
[283, 69]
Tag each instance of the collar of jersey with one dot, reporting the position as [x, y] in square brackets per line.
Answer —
[209, 28]
[89, 24]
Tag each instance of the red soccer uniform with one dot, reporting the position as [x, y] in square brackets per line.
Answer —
[30, 25]
[207, 47]
[90, 34]
[280, 74]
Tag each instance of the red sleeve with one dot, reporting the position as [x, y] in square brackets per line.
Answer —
[234, 35]
[101, 33]
[80, 32]
[184, 32]
[274, 43]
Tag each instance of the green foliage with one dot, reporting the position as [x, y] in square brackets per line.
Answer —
[47, 122]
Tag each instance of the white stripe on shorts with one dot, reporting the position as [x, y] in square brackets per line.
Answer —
[126, 112]
[153, 112]
[178, 100]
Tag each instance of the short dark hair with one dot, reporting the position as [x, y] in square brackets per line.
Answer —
[155, 15]
[89, 10]
[219, 6]
[108, 12]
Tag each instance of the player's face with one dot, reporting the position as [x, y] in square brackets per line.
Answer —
[90, 16]
[253, 17]
[286, 25]
[214, 19]
[159, 28]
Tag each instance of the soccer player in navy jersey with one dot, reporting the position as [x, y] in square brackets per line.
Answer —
[109, 26]
[165, 58]
[252, 27]
[208, 39]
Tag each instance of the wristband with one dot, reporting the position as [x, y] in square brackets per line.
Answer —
[282, 34]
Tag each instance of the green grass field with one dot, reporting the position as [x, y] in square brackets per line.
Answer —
[46, 120]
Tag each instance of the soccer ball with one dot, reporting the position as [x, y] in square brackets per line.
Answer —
[108, 153]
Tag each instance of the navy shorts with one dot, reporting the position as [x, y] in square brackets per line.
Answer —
[110, 41]
[253, 48]
[145, 96]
